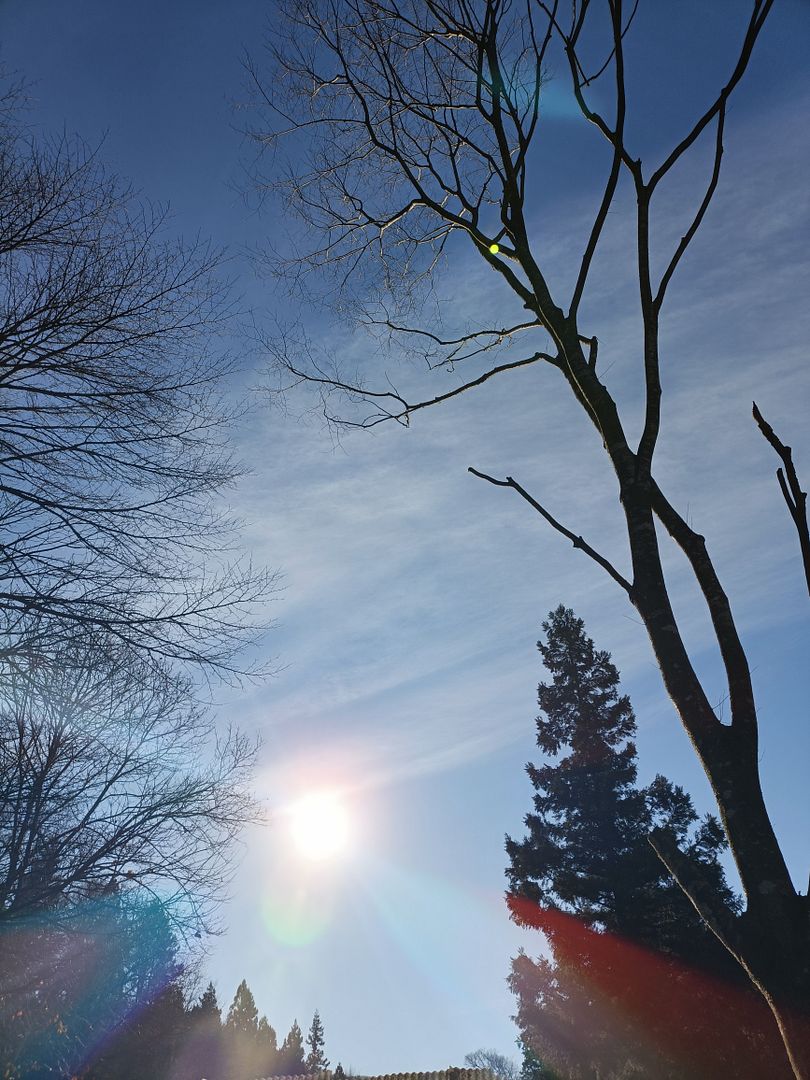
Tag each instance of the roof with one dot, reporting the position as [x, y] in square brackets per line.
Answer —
[441, 1074]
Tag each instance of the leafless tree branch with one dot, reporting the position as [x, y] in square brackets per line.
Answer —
[577, 541]
[791, 489]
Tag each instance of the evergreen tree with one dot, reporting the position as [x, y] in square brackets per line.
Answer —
[619, 992]
[316, 1060]
[241, 1035]
[76, 982]
[291, 1055]
[267, 1048]
[532, 1067]
[148, 1043]
[207, 1008]
[204, 1052]
[243, 1016]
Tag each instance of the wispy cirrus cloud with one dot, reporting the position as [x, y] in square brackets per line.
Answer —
[415, 592]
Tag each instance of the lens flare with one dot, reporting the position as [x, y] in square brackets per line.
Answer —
[639, 997]
[296, 917]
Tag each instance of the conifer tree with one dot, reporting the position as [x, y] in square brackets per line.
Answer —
[243, 1014]
[107, 970]
[291, 1055]
[316, 1060]
[147, 1042]
[204, 1053]
[241, 1030]
[617, 992]
[207, 1008]
[532, 1068]
[266, 1048]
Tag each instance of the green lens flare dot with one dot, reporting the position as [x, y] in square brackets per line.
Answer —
[494, 248]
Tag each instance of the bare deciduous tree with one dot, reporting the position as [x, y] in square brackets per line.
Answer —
[113, 431]
[416, 122]
[498, 1064]
[112, 779]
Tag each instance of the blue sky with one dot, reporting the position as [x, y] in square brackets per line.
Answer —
[413, 594]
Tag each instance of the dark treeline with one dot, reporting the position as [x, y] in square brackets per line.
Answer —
[114, 1005]
[186, 1040]
[102, 994]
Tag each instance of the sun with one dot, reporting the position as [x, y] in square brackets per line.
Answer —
[320, 826]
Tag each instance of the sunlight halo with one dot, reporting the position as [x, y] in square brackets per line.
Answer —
[320, 826]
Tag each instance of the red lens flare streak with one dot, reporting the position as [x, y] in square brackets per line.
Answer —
[656, 1000]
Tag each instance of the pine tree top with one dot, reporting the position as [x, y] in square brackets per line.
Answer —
[208, 1006]
[243, 1014]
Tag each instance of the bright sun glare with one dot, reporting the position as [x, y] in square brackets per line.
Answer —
[320, 826]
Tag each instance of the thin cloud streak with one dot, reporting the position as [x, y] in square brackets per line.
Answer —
[415, 593]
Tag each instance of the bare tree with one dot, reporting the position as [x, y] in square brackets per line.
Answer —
[498, 1064]
[113, 781]
[416, 122]
[113, 429]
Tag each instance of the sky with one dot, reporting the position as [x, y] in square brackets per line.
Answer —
[404, 638]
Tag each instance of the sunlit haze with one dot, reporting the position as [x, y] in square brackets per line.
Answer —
[320, 826]
[396, 728]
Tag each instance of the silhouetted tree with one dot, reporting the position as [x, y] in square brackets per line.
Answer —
[149, 1042]
[316, 1060]
[415, 127]
[499, 1064]
[267, 1043]
[243, 1016]
[75, 981]
[241, 1031]
[207, 1008]
[112, 778]
[204, 1049]
[111, 419]
[291, 1054]
[623, 936]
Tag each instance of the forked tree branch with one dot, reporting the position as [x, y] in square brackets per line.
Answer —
[407, 408]
[795, 498]
[495, 337]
